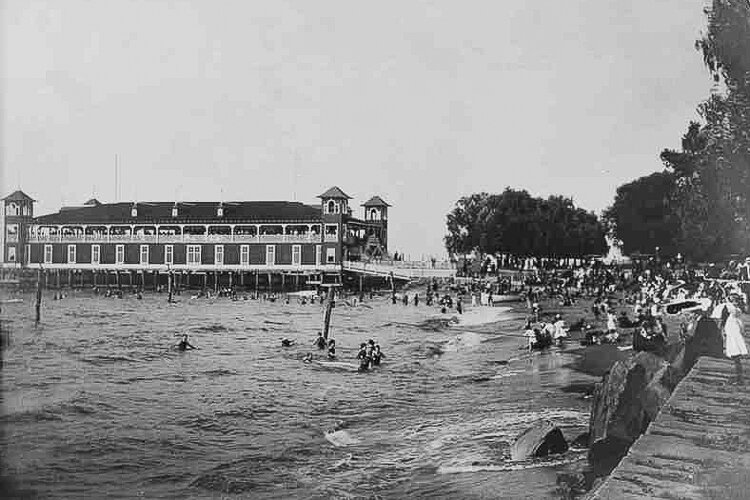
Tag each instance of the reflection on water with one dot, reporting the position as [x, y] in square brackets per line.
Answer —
[96, 402]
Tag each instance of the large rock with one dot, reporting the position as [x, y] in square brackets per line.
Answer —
[625, 402]
[539, 440]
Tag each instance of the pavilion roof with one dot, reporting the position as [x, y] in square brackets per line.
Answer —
[206, 212]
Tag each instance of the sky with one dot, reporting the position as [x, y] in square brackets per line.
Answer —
[420, 102]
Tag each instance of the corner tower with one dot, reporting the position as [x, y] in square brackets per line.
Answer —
[376, 215]
[334, 209]
[18, 213]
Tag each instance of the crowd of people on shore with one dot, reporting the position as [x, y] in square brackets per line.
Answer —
[638, 299]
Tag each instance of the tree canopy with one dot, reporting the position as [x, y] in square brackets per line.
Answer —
[516, 223]
[701, 205]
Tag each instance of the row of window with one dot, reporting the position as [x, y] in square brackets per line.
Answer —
[193, 254]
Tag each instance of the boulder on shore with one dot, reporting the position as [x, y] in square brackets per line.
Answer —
[541, 439]
[625, 402]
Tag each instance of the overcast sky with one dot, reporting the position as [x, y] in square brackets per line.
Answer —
[421, 102]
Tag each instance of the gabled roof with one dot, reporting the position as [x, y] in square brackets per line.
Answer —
[375, 201]
[92, 202]
[199, 212]
[18, 195]
[335, 192]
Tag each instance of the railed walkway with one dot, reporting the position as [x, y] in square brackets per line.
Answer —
[698, 447]
[403, 270]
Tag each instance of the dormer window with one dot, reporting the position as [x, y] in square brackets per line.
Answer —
[331, 206]
[175, 212]
[220, 212]
[134, 211]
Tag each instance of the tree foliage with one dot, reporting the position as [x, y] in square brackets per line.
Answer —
[516, 223]
[707, 213]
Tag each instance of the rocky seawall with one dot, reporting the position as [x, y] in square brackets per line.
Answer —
[632, 392]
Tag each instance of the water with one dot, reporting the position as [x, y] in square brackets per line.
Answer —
[96, 403]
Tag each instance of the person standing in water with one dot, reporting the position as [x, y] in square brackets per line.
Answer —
[184, 345]
[320, 342]
[331, 349]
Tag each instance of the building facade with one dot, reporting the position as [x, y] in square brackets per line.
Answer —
[224, 238]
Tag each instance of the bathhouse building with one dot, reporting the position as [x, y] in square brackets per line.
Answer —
[221, 243]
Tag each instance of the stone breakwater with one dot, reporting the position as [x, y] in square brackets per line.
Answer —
[698, 447]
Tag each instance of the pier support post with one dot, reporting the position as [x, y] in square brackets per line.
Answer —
[170, 278]
[256, 281]
[329, 307]
[231, 278]
[270, 282]
[38, 305]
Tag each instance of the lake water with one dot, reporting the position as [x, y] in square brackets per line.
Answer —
[96, 403]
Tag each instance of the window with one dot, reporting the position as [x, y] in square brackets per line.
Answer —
[144, 255]
[168, 254]
[330, 206]
[71, 254]
[270, 255]
[120, 254]
[48, 254]
[219, 255]
[220, 212]
[330, 255]
[318, 253]
[245, 255]
[134, 211]
[175, 212]
[296, 255]
[11, 253]
[13, 209]
[332, 230]
[193, 255]
[12, 232]
[96, 252]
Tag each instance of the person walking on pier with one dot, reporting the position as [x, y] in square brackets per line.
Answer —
[734, 343]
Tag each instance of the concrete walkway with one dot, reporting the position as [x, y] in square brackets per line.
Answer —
[698, 447]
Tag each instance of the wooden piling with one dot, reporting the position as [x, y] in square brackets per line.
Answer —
[327, 318]
[170, 277]
[38, 306]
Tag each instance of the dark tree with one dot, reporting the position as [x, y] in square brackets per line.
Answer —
[517, 223]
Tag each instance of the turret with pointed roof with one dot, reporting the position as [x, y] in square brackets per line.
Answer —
[375, 201]
[18, 195]
[335, 193]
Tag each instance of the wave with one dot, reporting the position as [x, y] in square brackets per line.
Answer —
[107, 359]
[506, 467]
[215, 327]
[219, 372]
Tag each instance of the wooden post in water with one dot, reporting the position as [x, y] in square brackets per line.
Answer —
[327, 318]
[38, 306]
[170, 278]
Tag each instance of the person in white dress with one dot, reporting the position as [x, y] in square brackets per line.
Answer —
[731, 328]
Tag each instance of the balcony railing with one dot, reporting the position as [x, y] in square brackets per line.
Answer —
[179, 238]
[331, 238]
